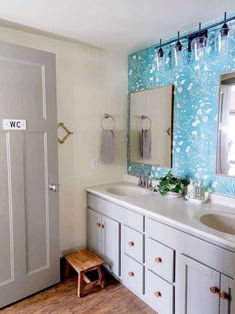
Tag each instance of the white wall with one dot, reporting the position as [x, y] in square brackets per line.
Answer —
[90, 82]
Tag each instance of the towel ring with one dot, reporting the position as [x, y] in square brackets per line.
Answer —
[143, 117]
[107, 116]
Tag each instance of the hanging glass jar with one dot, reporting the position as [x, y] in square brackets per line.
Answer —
[160, 58]
[198, 48]
[181, 57]
[225, 38]
[168, 59]
[160, 63]
[177, 53]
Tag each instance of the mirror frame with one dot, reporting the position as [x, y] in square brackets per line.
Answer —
[172, 125]
[217, 131]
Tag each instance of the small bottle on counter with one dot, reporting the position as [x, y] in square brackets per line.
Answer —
[197, 188]
[191, 189]
[201, 192]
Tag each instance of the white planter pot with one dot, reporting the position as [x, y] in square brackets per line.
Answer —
[173, 194]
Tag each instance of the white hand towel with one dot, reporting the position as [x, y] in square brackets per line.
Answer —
[108, 146]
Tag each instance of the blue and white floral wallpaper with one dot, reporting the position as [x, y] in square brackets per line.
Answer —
[195, 108]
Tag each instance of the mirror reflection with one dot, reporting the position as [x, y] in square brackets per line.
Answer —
[151, 116]
[226, 126]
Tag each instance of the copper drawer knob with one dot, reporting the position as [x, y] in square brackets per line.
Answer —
[131, 274]
[157, 294]
[214, 290]
[158, 260]
[131, 243]
[223, 295]
[98, 224]
[102, 226]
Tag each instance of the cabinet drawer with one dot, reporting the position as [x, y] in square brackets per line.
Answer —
[134, 220]
[201, 250]
[116, 212]
[132, 274]
[160, 259]
[132, 242]
[159, 293]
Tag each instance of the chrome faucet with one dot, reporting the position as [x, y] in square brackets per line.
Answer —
[148, 182]
[145, 180]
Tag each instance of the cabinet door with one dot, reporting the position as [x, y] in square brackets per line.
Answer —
[197, 288]
[111, 243]
[94, 231]
[227, 297]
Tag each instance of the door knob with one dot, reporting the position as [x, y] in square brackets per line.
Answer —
[158, 260]
[54, 187]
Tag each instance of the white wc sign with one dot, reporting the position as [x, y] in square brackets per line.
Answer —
[13, 124]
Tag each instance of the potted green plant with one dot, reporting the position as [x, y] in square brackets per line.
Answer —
[171, 185]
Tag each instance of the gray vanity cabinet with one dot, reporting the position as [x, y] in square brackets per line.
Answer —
[173, 271]
[104, 239]
[199, 289]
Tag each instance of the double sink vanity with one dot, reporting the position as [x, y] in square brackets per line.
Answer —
[177, 256]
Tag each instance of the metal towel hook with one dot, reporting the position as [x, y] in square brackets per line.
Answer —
[108, 116]
[67, 134]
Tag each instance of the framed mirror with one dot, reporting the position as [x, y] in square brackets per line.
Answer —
[225, 154]
[151, 126]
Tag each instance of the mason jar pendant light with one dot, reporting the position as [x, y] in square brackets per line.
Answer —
[178, 56]
[160, 52]
[178, 46]
[199, 44]
[224, 32]
[224, 38]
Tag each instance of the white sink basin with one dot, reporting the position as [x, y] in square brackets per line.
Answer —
[219, 221]
[122, 190]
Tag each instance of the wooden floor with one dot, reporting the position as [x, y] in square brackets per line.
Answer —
[62, 298]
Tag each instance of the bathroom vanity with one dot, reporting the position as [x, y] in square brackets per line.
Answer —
[175, 255]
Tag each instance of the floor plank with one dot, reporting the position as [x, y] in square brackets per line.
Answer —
[62, 298]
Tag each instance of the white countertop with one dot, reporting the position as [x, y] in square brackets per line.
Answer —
[175, 212]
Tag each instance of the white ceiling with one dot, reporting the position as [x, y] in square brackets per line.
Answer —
[124, 25]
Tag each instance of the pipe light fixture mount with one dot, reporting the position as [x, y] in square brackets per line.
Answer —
[201, 33]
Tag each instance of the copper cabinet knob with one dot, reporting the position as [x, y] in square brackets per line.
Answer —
[131, 274]
[157, 294]
[98, 224]
[223, 295]
[214, 290]
[158, 260]
[131, 243]
[102, 226]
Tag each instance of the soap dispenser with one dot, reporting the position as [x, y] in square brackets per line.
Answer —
[191, 189]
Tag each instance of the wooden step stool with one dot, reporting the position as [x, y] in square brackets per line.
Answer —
[83, 262]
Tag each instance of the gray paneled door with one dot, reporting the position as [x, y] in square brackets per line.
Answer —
[29, 214]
